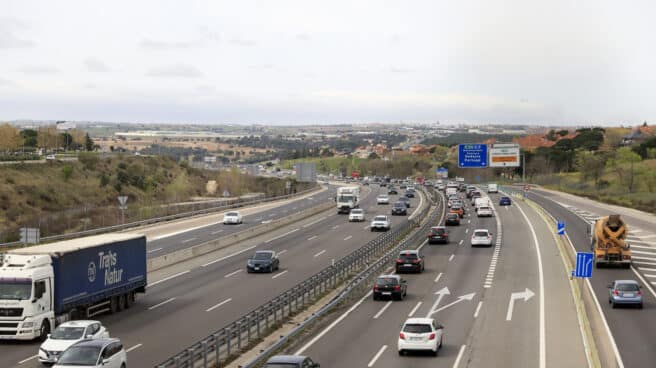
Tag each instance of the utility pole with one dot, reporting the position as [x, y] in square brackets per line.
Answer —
[523, 168]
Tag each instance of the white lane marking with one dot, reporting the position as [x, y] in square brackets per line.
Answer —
[478, 309]
[314, 222]
[133, 348]
[335, 227]
[469, 221]
[273, 214]
[154, 250]
[378, 354]
[332, 325]
[380, 312]
[412, 312]
[312, 237]
[294, 208]
[228, 256]
[281, 236]
[506, 207]
[279, 274]
[168, 278]
[216, 232]
[282, 251]
[258, 219]
[647, 269]
[365, 227]
[161, 304]
[438, 277]
[180, 232]
[348, 237]
[188, 240]
[460, 353]
[543, 344]
[451, 258]
[233, 273]
[649, 275]
[320, 253]
[644, 263]
[28, 359]
[460, 243]
[466, 230]
[218, 305]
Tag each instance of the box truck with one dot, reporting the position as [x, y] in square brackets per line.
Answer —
[45, 285]
[347, 198]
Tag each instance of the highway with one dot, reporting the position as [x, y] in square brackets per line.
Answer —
[469, 290]
[192, 303]
[633, 330]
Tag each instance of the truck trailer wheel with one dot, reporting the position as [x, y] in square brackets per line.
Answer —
[121, 302]
[113, 304]
[44, 330]
[129, 299]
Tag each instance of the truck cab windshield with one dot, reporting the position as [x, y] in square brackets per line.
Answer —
[345, 198]
[15, 289]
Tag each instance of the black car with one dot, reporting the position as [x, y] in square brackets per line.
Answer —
[399, 209]
[438, 234]
[410, 193]
[409, 260]
[263, 261]
[452, 219]
[403, 186]
[390, 286]
[392, 190]
[405, 200]
[383, 184]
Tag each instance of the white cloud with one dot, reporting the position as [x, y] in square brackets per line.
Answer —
[38, 69]
[175, 71]
[96, 65]
[165, 45]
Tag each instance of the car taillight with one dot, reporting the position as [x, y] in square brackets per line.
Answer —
[616, 292]
[397, 287]
[399, 260]
[415, 261]
[401, 336]
[626, 256]
[375, 287]
[432, 336]
[639, 292]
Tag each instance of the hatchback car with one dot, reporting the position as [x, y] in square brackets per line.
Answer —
[392, 190]
[232, 217]
[457, 209]
[438, 234]
[505, 201]
[380, 222]
[452, 218]
[356, 214]
[405, 200]
[484, 211]
[392, 286]
[420, 334]
[382, 199]
[410, 193]
[263, 261]
[290, 361]
[481, 237]
[399, 209]
[624, 292]
[67, 334]
[409, 260]
[105, 353]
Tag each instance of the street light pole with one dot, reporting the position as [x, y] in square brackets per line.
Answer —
[523, 168]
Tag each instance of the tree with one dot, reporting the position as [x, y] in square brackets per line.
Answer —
[29, 137]
[551, 135]
[373, 156]
[624, 165]
[88, 143]
[67, 171]
[563, 132]
[10, 138]
[591, 165]
[48, 138]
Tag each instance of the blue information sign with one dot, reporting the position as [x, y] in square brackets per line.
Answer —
[561, 227]
[472, 155]
[584, 262]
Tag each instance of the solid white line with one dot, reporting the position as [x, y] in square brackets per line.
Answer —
[180, 232]
[412, 312]
[154, 250]
[216, 232]
[649, 275]
[218, 305]
[168, 278]
[133, 348]
[451, 258]
[28, 359]
[438, 277]
[282, 251]
[273, 214]
[647, 269]
[460, 353]
[320, 253]
[314, 222]
[188, 240]
[312, 237]
[332, 325]
[478, 309]
[460, 243]
[375, 358]
[543, 343]
[233, 273]
[466, 230]
[365, 227]
[281, 236]
[348, 237]
[279, 274]
[645, 263]
[161, 304]
[335, 227]
[383, 309]
[228, 256]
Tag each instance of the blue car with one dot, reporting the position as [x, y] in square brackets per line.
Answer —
[504, 201]
[624, 292]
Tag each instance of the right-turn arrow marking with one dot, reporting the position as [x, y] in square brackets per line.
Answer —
[526, 295]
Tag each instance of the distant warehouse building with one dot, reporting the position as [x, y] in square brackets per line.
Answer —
[306, 172]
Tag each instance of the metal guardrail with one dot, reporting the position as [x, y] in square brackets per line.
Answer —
[258, 323]
[176, 216]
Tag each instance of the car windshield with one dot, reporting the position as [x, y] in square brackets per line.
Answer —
[380, 218]
[262, 255]
[452, 215]
[480, 234]
[18, 289]
[399, 204]
[417, 328]
[356, 212]
[345, 198]
[67, 333]
[382, 196]
[386, 281]
[80, 355]
[437, 231]
[627, 287]
[408, 256]
[484, 208]
[232, 214]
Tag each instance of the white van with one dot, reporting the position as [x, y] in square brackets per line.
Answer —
[450, 191]
[492, 188]
[481, 202]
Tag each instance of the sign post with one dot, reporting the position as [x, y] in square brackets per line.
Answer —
[122, 200]
[561, 227]
[472, 156]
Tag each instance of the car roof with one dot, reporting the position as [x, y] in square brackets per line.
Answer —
[264, 251]
[409, 251]
[78, 323]
[626, 282]
[439, 227]
[101, 343]
[452, 214]
[419, 320]
[287, 359]
[486, 230]
[390, 276]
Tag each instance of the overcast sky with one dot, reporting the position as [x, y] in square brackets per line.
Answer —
[296, 62]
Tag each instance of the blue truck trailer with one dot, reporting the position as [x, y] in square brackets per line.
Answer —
[42, 286]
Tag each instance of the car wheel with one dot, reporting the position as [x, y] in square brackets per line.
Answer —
[440, 346]
[640, 306]
[613, 305]
[248, 270]
[375, 297]
[129, 299]
[434, 353]
[123, 365]
[401, 352]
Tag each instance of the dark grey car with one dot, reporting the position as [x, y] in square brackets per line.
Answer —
[291, 361]
[263, 261]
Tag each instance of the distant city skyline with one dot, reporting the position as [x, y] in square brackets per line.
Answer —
[294, 62]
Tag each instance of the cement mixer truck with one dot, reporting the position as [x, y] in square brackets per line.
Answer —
[609, 242]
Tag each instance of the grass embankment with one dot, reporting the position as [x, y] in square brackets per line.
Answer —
[70, 196]
[398, 167]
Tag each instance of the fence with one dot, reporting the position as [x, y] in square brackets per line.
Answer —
[245, 331]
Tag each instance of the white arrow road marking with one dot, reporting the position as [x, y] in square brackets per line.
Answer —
[460, 298]
[526, 295]
[440, 294]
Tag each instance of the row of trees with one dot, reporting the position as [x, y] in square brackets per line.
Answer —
[48, 137]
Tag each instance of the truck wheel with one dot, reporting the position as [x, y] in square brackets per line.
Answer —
[113, 304]
[44, 330]
[129, 299]
[121, 302]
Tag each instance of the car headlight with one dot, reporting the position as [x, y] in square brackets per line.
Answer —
[28, 324]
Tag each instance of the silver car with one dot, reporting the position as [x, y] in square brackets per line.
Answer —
[380, 222]
[481, 237]
[624, 292]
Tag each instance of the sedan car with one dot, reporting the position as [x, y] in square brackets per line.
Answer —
[410, 193]
[357, 214]
[505, 201]
[405, 200]
[392, 190]
[67, 334]
[452, 218]
[382, 199]
[624, 292]
[399, 209]
[438, 234]
[290, 361]
[423, 334]
[484, 211]
[380, 222]
[97, 353]
[409, 260]
[232, 217]
[392, 286]
[481, 237]
[263, 261]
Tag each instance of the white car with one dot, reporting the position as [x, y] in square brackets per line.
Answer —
[484, 211]
[51, 157]
[357, 214]
[97, 353]
[420, 334]
[481, 237]
[382, 199]
[233, 217]
[380, 222]
[67, 334]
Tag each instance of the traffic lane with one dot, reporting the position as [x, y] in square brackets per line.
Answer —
[632, 329]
